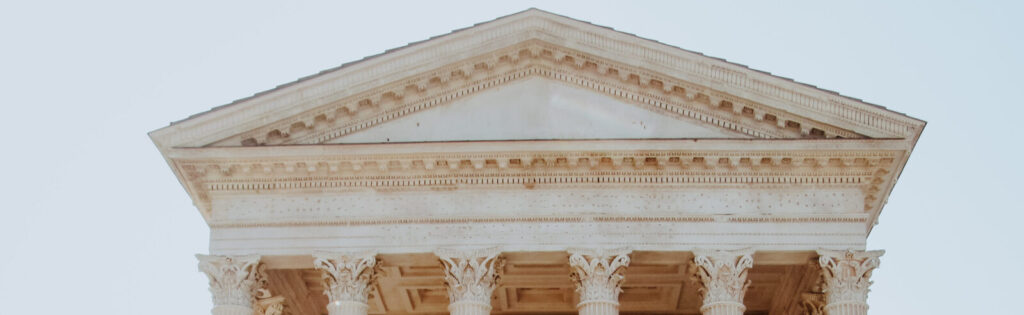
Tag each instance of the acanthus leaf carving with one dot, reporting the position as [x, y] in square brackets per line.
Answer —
[233, 279]
[471, 276]
[847, 275]
[597, 273]
[724, 276]
[347, 277]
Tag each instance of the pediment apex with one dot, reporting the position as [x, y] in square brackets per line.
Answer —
[557, 40]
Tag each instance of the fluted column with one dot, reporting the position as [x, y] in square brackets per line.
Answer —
[232, 282]
[348, 279]
[598, 278]
[723, 275]
[847, 280]
[471, 277]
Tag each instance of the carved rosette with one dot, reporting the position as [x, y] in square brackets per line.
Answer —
[233, 280]
[847, 277]
[471, 277]
[723, 275]
[598, 274]
[347, 277]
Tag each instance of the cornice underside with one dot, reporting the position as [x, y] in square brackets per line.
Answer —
[807, 218]
[647, 89]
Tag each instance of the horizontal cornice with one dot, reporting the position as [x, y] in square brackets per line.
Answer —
[466, 147]
[867, 164]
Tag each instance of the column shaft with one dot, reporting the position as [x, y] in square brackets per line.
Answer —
[598, 308]
[347, 308]
[723, 309]
[847, 309]
[468, 308]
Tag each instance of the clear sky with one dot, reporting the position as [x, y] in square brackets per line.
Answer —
[93, 221]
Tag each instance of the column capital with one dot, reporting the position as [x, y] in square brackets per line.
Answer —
[847, 275]
[471, 275]
[347, 277]
[724, 276]
[597, 273]
[233, 279]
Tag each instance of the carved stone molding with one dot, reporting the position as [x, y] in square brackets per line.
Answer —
[847, 277]
[233, 280]
[535, 59]
[348, 279]
[552, 37]
[813, 303]
[723, 275]
[265, 303]
[273, 305]
[483, 164]
[597, 274]
[863, 165]
[471, 277]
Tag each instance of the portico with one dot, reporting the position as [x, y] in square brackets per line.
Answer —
[540, 164]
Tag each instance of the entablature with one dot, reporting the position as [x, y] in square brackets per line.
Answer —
[680, 172]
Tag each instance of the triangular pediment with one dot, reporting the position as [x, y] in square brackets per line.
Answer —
[432, 108]
[537, 108]
[689, 94]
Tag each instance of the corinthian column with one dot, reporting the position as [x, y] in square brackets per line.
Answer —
[232, 282]
[471, 277]
[347, 279]
[723, 275]
[598, 278]
[847, 278]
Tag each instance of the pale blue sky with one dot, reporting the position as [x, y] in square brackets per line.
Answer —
[93, 221]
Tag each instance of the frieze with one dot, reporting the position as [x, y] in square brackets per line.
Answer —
[467, 205]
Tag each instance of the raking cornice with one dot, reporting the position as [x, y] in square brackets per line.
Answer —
[596, 42]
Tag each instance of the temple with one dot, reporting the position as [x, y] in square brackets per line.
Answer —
[537, 164]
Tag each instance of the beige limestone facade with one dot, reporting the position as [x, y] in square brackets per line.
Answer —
[536, 164]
